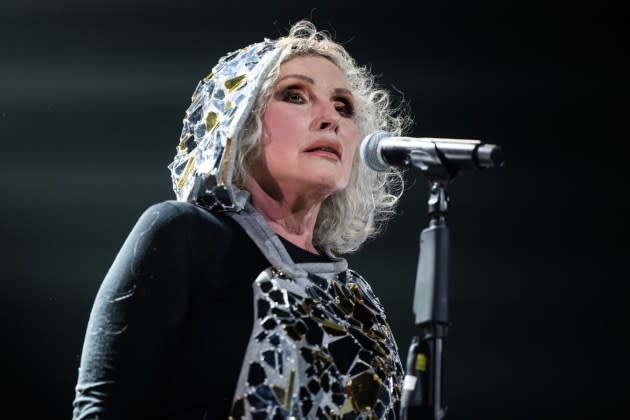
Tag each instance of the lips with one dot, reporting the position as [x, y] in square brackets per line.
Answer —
[326, 147]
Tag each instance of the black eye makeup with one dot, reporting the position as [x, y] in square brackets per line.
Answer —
[300, 94]
[345, 107]
[292, 94]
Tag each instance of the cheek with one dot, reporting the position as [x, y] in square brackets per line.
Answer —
[352, 144]
[281, 124]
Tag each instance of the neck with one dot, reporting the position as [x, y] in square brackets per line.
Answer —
[290, 215]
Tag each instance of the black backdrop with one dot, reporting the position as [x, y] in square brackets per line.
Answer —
[92, 94]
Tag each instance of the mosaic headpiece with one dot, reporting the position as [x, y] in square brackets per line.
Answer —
[203, 167]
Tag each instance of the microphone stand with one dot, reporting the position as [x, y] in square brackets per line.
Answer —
[422, 388]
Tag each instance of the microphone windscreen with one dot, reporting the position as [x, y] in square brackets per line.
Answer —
[369, 151]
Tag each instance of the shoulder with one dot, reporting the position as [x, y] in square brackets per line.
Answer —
[180, 214]
[185, 222]
[172, 210]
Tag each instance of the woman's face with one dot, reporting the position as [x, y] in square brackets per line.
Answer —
[309, 136]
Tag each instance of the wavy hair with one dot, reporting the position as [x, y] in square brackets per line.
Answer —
[349, 217]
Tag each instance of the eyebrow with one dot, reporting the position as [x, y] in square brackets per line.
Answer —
[298, 76]
[338, 91]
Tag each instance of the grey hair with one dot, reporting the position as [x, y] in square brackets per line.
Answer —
[350, 217]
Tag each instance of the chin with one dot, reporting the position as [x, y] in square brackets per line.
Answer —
[330, 185]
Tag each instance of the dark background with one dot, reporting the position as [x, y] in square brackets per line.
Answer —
[92, 94]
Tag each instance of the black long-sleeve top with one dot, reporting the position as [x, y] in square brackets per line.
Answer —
[172, 318]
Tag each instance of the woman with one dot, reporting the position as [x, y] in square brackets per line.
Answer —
[233, 301]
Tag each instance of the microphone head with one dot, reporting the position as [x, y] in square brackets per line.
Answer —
[370, 153]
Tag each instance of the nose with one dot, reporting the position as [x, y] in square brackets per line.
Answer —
[326, 118]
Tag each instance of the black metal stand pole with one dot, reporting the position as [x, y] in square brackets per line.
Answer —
[422, 389]
[440, 160]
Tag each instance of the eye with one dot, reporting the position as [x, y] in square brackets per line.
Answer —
[344, 107]
[293, 95]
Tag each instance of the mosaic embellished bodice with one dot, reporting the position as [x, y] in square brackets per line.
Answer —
[320, 348]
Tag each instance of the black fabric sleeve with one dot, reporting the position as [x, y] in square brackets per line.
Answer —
[136, 320]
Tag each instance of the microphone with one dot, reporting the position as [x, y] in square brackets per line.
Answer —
[381, 150]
